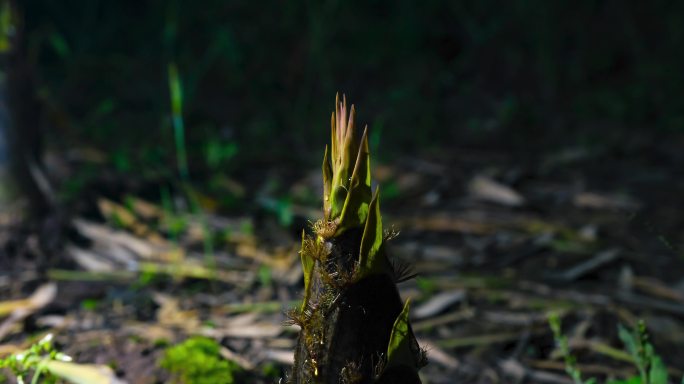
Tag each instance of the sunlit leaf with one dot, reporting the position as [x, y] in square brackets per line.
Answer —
[327, 183]
[344, 158]
[370, 257]
[658, 372]
[629, 341]
[307, 267]
[355, 208]
[399, 350]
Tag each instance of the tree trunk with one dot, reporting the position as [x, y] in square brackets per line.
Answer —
[20, 137]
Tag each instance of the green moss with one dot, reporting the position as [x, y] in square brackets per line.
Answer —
[197, 361]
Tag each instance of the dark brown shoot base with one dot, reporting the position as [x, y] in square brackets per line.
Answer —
[357, 329]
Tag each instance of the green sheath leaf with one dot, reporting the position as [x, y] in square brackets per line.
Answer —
[399, 352]
[355, 208]
[344, 151]
[333, 135]
[371, 260]
[327, 183]
[307, 267]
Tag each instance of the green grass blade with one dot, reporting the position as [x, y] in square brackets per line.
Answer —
[176, 94]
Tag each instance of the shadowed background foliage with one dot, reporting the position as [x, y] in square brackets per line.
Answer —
[259, 79]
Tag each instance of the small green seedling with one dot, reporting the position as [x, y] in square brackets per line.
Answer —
[29, 363]
[651, 368]
[43, 363]
[570, 360]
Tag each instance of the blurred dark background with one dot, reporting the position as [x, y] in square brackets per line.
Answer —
[530, 152]
[259, 79]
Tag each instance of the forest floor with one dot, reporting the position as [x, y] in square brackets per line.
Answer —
[499, 241]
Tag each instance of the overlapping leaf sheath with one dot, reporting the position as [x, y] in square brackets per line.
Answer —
[354, 326]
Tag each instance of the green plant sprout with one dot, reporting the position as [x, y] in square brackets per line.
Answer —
[354, 326]
[569, 359]
[197, 360]
[651, 368]
[31, 362]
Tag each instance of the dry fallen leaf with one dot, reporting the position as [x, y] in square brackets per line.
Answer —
[145, 209]
[279, 356]
[20, 309]
[158, 249]
[40, 298]
[88, 260]
[438, 303]
[150, 332]
[121, 215]
[237, 358]
[254, 331]
[593, 200]
[82, 373]
[486, 189]
[170, 314]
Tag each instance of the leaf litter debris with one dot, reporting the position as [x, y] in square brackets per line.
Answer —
[492, 261]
